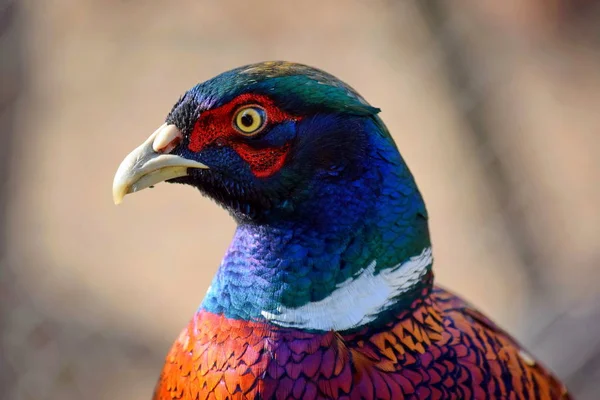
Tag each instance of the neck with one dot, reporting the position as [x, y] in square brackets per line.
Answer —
[332, 266]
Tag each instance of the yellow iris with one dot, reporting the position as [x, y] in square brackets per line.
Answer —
[249, 120]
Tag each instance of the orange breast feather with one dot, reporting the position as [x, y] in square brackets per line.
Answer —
[442, 349]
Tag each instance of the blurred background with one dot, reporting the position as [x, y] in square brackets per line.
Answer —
[494, 105]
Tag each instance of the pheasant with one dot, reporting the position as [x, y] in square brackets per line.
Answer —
[326, 291]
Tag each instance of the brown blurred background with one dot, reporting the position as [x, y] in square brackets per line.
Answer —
[495, 106]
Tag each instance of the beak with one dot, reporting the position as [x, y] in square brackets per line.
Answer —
[150, 163]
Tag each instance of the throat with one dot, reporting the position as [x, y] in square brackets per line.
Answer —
[275, 276]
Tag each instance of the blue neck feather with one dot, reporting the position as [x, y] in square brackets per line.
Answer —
[341, 224]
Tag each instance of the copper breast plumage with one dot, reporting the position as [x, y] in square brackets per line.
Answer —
[441, 349]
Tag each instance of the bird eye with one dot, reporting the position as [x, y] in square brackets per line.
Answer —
[249, 120]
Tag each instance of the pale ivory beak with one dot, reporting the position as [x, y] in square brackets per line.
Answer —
[150, 163]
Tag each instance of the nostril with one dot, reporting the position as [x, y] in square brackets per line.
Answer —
[167, 139]
[169, 146]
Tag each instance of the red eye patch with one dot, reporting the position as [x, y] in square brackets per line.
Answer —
[216, 127]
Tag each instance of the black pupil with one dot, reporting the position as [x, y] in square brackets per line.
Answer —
[247, 120]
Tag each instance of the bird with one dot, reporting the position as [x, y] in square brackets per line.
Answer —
[326, 290]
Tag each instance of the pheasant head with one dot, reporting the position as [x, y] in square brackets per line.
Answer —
[316, 183]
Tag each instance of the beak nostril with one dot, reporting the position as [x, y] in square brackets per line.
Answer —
[167, 139]
[169, 147]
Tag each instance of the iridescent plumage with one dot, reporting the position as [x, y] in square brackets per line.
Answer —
[439, 348]
[327, 288]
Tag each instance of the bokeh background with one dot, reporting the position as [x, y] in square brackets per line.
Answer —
[495, 106]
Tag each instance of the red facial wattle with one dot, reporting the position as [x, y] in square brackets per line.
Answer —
[216, 126]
